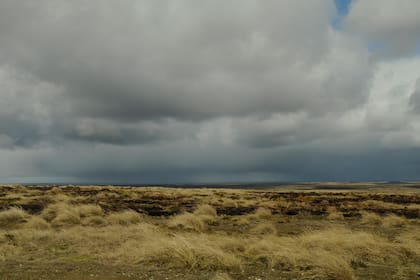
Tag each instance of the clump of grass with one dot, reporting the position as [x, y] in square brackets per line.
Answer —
[124, 218]
[55, 190]
[52, 211]
[228, 202]
[61, 214]
[66, 218]
[206, 213]
[334, 214]
[196, 221]
[38, 223]
[369, 218]
[187, 221]
[206, 210]
[331, 252]
[64, 214]
[96, 221]
[12, 216]
[88, 210]
[262, 213]
[199, 251]
[146, 243]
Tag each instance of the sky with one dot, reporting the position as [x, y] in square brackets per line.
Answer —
[186, 91]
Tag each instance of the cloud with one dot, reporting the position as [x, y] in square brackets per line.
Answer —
[391, 26]
[391, 110]
[183, 91]
[152, 61]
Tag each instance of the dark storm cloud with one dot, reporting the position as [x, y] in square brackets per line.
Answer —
[191, 91]
[240, 164]
[148, 60]
[135, 61]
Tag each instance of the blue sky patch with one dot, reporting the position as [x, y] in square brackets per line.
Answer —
[342, 7]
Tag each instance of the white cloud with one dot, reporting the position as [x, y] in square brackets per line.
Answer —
[389, 109]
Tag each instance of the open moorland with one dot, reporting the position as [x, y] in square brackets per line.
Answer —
[306, 231]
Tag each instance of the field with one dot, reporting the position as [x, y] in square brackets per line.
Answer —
[307, 231]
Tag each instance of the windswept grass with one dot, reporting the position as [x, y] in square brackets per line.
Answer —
[262, 242]
[124, 218]
[12, 216]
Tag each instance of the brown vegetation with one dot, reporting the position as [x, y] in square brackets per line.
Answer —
[209, 233]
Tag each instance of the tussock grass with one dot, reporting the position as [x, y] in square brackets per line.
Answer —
[71, 228]
[187, 221]
[124, 218]
[205, 210]
[12, 216]
[196, 221]
[53, 210]
[369, 218]
[64, 214]
[66, 218]
[228, 202]
[88, 210]
[334, 214]
[331, 252]
[262, 213]
[94, 221]
[206, 213]
[199, 251]
[37, 223]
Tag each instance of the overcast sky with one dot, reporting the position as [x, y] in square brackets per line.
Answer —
[154, 91]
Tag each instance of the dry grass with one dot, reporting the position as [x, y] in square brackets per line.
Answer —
[73, 228]
[394, 221]
[12, 216]
[37, 223]
[262, 213]
[206, 210]
[187, 221]
[196, 221]
[124, 218]
[221, 276]
[264, 228]
[371, 219]
[334, 214]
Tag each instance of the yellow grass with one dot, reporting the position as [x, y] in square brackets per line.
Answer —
[225, 247]
[124, 218]
[221, 276]
[12, 216]
[187, 221]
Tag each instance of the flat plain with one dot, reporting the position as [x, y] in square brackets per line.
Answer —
[300, 231]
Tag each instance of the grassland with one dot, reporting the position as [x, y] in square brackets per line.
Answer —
[310, 231]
